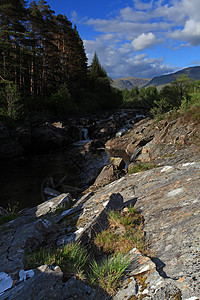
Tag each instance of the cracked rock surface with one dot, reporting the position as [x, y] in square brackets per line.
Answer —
[168, 197]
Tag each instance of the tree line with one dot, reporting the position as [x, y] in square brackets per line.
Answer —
[43, 61]
[183, 92]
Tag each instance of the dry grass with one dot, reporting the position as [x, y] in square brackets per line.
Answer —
[124, 233]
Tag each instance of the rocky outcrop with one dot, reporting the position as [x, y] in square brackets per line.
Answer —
[168, 199]
[40, 135]
[167, 141]
[47, 283]
[39, 226]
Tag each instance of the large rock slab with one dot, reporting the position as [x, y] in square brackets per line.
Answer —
[169, 199]
[47, 283]
[42, 226]
[167, 141]
[26, 233]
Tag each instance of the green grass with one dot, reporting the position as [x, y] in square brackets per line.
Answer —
[73, 259]
[108, 274]
[11, 214]
[125, 232]
[140, 167]
[7, 218]
[113, 244]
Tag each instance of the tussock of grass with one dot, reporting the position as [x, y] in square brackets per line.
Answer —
[73, 259]
[11, 214]
[191, 114]
[109, 273]
[125, 232]
[7, 218]
[140, 167]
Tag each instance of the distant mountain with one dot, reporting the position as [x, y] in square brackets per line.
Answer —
[160, 81]
[129, 82]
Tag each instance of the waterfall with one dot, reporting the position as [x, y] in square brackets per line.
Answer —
[83, 137]
[83, 134]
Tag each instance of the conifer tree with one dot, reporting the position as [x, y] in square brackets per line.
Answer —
[96, 70]
[12, 29]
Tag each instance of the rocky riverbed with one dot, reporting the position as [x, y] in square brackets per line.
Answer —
[42, 148]
[168, 198]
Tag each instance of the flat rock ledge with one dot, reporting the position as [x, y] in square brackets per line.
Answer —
[168, 197]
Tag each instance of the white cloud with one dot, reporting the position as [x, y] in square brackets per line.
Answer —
[122, 62]
[140, 26]
[144, 41]
[142, 6]
[130, 15]
[185, 15]
[74, 16]
[190, 33]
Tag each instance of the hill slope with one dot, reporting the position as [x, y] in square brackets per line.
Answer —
[158, 81]
[129, 82]
[192, 72]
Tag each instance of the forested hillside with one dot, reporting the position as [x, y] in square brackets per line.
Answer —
[43, 62]
[160, 81]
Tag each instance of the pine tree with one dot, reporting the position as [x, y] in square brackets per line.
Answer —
[96, 70]
[12, 30]
[41, 51]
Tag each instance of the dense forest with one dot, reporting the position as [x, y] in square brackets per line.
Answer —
[44, 65]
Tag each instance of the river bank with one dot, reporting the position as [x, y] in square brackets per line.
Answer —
[167, 197]
[39, 149]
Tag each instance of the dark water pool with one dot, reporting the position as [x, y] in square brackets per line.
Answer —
[22, 180]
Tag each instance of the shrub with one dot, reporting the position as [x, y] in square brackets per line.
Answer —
[61, 101]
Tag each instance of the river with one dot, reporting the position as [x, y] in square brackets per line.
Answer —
[22, 180]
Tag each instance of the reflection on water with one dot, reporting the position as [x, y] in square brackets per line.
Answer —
[21, 180]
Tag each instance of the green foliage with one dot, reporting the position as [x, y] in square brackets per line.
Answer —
[142, 98]
[96, 71]
[132, 209]
[9, 217]
[160, 108]
[181, 93]
[11, 214]
[102, 94]
[140, 167]
[125, 232]
[106, 240]
[61, 101]
[72, 258]
[44, 58]
[109, 273]
[39, 50]
[130, 234]
[181, 85]
[9, 100]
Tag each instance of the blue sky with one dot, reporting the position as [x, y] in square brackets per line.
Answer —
[141, 38]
